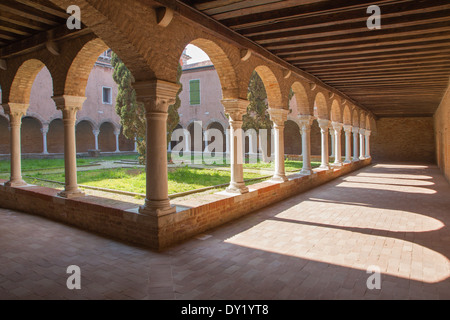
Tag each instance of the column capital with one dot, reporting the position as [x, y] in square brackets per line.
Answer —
[348, 128]
[69, 105]
[116, 132]
[156, 95]
[44, 129]
[324, 124]
[95, 132]
[362, 131]
[15, 111]
[235, 108]
[367, 132]
[337, 126]
[355, 130]
[278, 116]
[305, 121]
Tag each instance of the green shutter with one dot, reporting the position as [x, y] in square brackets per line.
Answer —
[194, 92]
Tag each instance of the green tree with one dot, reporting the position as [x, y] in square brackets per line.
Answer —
[132, 113]
[257, 116]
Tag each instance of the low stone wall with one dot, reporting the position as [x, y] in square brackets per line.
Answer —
[120, 220]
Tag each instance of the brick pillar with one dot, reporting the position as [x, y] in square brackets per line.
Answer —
[279, 117]
[361, 143]
[337, 127]
[355, 131]
[324, 127]
[305, 122]
[348, 143]
[15, 111]
[157, 96]
[367, 140]
[236, 108]
[44, 131]
[70, 105]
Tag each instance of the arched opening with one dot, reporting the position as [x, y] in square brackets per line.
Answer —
[55, 136]
[197, 144]
[125, 144]
[85, 139]
[4, 135]
[217, 126]
[23, 81]
[31, 135]
[292, 138]
[106, 138]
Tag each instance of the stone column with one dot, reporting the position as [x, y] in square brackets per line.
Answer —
[367, 140]
[348, 143]
[305, 122]
[135, 145]
[15, 111]
[337, 143]
[44, 131]
[117, 133]
[96, 133]
[70, 105]
[355, 131]
[157, 96]
[324, 127]
[333, 143]
[361, 144]
[279, 117]
[236, 108]
[227, 141]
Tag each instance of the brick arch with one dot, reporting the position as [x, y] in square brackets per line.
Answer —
[23, 80]
[4, 135]
[214, 120]
[38, 117]
[347, 115]
[222, 64]
[116, 126]
[81, 67]
[320, 106]
[355, 117]
[302, 98]
[271, 85]
[94, 125]
[335, 111]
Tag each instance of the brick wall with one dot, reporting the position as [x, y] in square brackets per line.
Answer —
[4, 136]
[85, 139]
[403, 139]
[31, 136]
[442, 134]
[106, 138]
[55, 137]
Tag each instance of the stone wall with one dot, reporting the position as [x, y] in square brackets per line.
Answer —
[403, 139]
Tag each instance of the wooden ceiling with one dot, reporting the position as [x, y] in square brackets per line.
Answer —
[401, 69]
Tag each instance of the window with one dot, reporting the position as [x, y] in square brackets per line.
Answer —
[107, 95]
[194, 92]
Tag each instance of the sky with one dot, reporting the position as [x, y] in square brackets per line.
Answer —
[196, 53]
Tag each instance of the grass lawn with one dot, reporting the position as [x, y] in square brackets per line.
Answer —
[37, 164]
[133, 179]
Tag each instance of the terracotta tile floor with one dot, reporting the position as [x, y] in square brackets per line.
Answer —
[317, 245]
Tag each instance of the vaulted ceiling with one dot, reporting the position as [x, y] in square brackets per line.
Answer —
[401, 69]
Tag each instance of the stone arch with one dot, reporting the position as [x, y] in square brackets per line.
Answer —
[23, 80]
[302, 99]
[55, 136]
[222, 64]
[78, 73]
[38, 117]
[85, 139]
[4, 135]
[272, 87]
[106, 138]
[347, 115]
[292, 138]
[94, 125]
[320, 106]
[335, 111]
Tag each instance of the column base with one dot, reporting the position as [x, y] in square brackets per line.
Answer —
[362, 158]
[152, 209]
[325, 167]
[279, 178]
[15, 183]
[238, 188]
[306, 171]
[71, 194]
[337, 164]
[347, 161]
[355, 159]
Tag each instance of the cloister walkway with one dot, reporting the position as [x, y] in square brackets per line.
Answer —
[316, 245]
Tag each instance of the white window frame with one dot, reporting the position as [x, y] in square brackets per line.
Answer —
[103, 95]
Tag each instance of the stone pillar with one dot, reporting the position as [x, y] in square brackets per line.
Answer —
[361, 144]
[117, 133]
[15, 111]
[305, 122]
[279, 117]
[367, 140]
[227, 141]
[44, 131]
[337, 143]
[348, 143]
[157, 96]
[70, 105]
[135, 145]
[324, 127]
[333, 143]
[236, 108]
[96, 133]
[355, 131]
